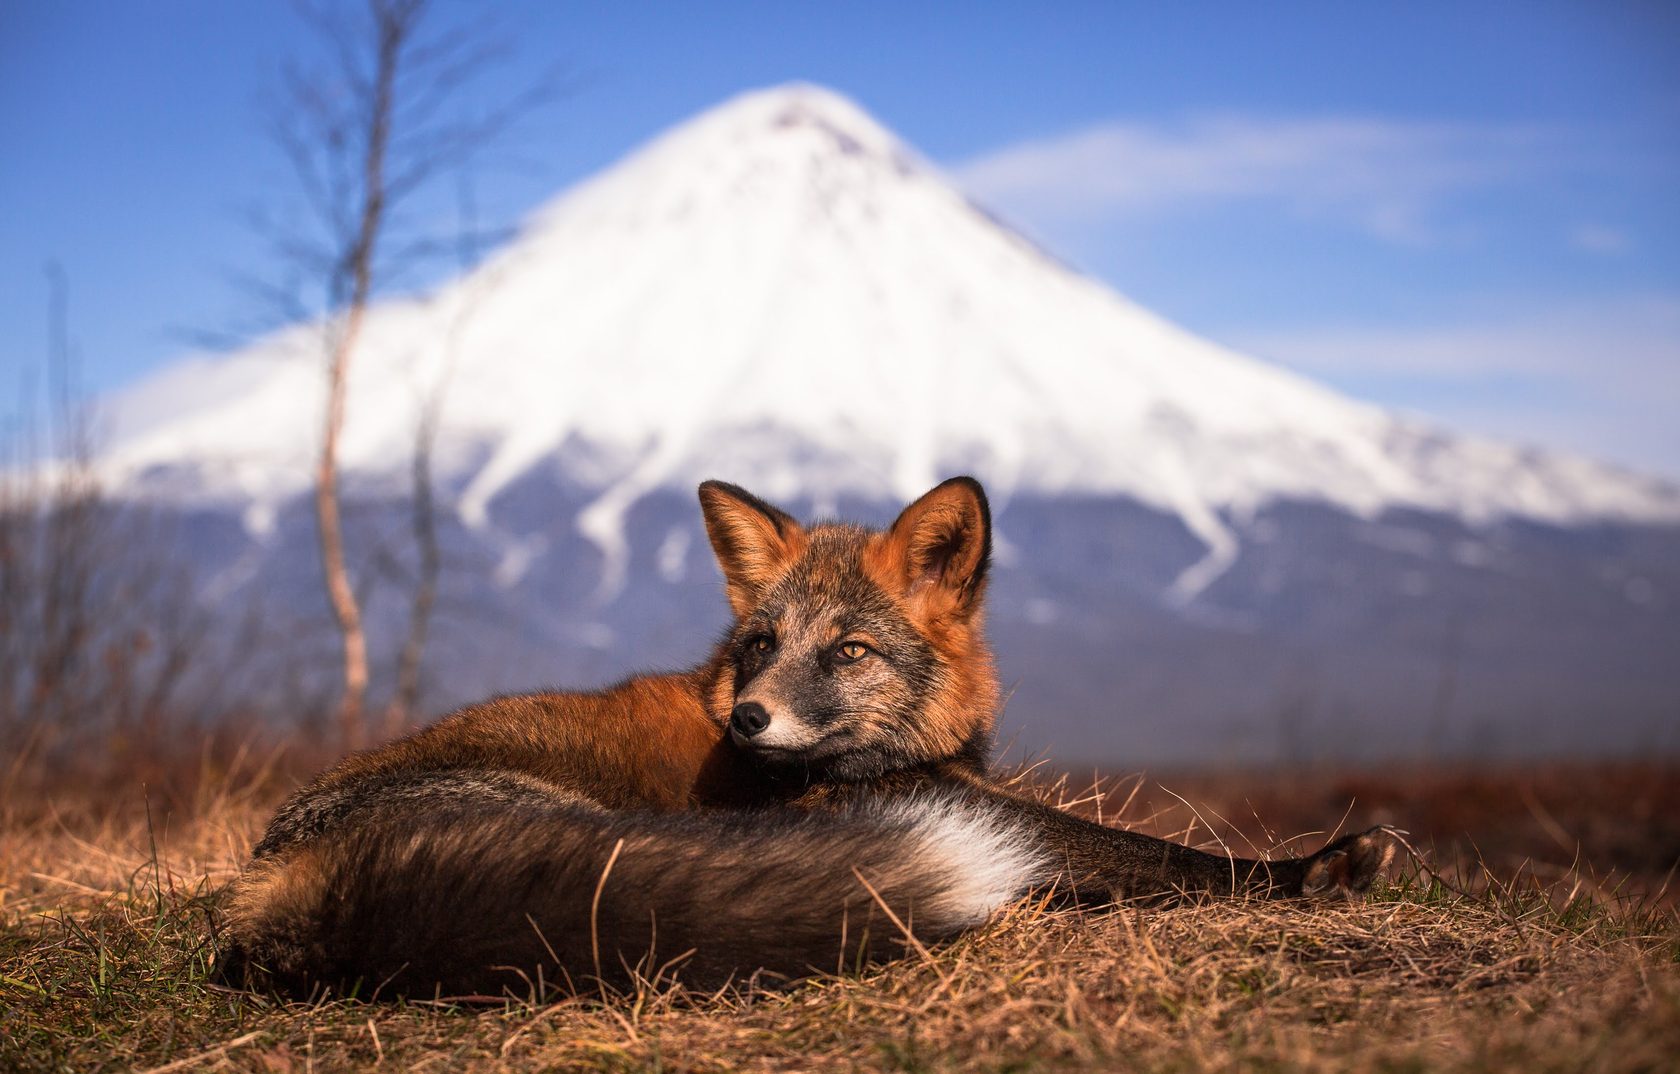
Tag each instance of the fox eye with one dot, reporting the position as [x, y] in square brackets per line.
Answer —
[851, 652]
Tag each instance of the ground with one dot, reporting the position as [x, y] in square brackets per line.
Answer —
[1561, 953]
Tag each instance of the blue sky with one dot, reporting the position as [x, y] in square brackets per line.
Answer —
[1467, 210]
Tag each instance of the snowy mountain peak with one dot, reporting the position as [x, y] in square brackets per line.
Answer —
[782, 293]
[818, 117]
[799, 138]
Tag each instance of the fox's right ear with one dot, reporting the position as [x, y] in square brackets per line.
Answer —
[754, 542]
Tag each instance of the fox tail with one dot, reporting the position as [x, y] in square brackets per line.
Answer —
[497, 898]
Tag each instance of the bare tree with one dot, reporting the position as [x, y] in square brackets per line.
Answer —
[363, 136]
[424, 511]
[51, 505]
[98, 633]
[429, 566]
[393, 25]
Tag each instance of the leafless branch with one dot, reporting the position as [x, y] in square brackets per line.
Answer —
[362, 133]
[96, 633]
[407, 692]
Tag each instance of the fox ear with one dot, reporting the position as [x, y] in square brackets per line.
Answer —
[754, 542]
[942, 544]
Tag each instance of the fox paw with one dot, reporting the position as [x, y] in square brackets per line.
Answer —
[1348, 866]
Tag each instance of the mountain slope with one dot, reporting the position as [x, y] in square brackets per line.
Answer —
[781, 292]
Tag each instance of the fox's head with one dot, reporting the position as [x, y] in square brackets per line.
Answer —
[855, 652]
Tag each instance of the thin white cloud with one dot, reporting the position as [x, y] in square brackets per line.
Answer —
[1626, 340]
[1382, 175]
[1601, 377]
[1599, 240]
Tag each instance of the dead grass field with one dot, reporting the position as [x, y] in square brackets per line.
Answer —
[1564, 955]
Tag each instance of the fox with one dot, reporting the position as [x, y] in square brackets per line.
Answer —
[816, 795]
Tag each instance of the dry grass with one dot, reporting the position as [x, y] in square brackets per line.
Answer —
[104, 922]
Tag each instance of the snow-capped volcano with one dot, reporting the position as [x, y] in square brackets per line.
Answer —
[782, 292]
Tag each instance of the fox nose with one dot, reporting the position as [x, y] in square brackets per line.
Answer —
[748, 719]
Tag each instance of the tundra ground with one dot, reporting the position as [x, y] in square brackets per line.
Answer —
[1559, 950]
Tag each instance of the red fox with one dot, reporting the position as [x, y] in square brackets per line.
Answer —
[813, 792]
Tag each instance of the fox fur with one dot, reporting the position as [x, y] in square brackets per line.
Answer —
[814, 796]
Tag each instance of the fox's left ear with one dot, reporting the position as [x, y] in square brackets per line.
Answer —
[942, 544]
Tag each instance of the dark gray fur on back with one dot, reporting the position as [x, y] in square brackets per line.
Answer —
[321, 808]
